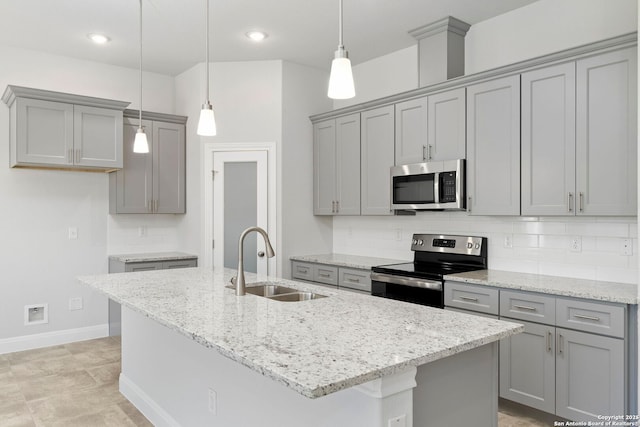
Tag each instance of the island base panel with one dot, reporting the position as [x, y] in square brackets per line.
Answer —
[169, 378]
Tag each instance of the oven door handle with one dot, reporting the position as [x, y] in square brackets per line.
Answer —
[407, 281]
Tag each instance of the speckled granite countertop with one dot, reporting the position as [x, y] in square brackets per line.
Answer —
[565, 286]
[315, 347]
[350, 261]
[152, 256]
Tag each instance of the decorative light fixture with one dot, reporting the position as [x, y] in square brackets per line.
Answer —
[98, 38]
[256, 36]
[140, 143]
[207, 122]
[341, 78]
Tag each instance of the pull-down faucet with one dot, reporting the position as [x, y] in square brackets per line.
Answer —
[239, 279]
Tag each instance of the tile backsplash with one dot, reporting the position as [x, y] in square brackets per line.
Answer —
[582, 247]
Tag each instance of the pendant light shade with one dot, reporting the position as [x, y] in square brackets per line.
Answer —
[207, 122]
[140, 143]
[341, 78]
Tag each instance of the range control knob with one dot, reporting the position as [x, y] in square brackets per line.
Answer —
[415, 242]
[420, 242]
[469, 245]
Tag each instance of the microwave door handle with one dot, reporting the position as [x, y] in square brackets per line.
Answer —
[436, 188]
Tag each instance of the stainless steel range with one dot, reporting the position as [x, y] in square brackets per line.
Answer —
[421, 281]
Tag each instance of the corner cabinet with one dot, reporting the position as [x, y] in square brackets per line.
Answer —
[336, 166]
[493, 147]
[64, 131]
[377, 154]
[153, 182]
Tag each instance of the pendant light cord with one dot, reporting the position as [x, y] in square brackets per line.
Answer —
[340, 45]
[140, 116]
[207, 52]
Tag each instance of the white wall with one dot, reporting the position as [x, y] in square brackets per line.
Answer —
[39, 264]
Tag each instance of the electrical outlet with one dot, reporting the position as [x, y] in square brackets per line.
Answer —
[508, 241]
[213, 404]
[75, 303]
[627, 247]
[400, 421]
[36, 314]
[73, 233]
[575, 244]
[399, 234]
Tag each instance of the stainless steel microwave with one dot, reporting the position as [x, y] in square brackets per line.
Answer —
[431, 185]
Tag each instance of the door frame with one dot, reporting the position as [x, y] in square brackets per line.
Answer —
[208, 150]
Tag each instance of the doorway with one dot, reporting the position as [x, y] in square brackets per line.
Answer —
[239, 193]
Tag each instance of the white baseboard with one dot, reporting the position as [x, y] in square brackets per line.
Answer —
[48, 339]
[149, 408]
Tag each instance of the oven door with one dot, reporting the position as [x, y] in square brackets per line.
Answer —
[408, 289]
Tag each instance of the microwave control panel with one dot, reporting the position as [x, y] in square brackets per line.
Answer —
[447, 187]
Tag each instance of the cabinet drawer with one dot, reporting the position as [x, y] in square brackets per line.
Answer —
[325, 274]
[302, 270]
[354, 279]
[472, 313]
[183, 263]
[471, 297]
[599, 318]
[143, 266]
[529, 307]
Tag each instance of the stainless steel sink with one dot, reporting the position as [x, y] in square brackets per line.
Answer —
[297, 296]
[279, 293]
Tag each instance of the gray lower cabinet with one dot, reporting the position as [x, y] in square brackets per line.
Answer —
[377, 154]
[350, 279]
[59, 130]
[336, 166]
[137, 264]
[576, 373]
[493, 147]
[153, 182]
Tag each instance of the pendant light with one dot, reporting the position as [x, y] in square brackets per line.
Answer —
[341, 78]
[140, 143]
[207, 122]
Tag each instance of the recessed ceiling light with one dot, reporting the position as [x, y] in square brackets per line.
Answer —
[256, 36]
[98, 38]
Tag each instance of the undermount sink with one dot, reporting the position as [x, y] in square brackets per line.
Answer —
[280, 293]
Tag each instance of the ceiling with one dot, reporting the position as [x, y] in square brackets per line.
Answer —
[301, 31]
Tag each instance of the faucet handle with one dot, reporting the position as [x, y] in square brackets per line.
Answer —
[233, 280]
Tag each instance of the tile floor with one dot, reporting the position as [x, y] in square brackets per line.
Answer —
[76, 385]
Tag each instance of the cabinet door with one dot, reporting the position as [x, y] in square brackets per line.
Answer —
[411, 131]
[527, 367]
[446, 137]
[324, 167]
[130, 188]
[376, 160]
[44, 132]
[548, 141]
[590, 375]
[493, 147]
[607, 134]
[168, 154]
[97, 137]
[348, 164]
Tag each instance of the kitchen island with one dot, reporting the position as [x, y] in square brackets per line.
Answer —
[193, 353]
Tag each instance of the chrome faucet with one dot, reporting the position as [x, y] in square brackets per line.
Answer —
[238, 281]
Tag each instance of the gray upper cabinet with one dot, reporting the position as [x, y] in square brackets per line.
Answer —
[493, 147]
[153, 182]
[606, 134]
[336, 166]
[59, 130]
[446, 129]
[411, 131]
[549, 141]
[377, 154]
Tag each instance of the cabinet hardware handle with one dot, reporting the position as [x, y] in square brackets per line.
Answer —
[70, 155]
[156, 206]
[333, 206]
[324, 275]
[469, 204]
[337, 206]
[581, 201]
[549, 337]
[570, 203]
[429, 151]
[150, 206]
[79, 155]
[560, 343]
[582, 316]
[468, 298]
[525, 307]
[424, 156]
[353, 280]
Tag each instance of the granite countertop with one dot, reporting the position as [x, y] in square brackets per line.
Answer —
[315, 347]
[152, 256]
[350, 261]
[624, 293]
